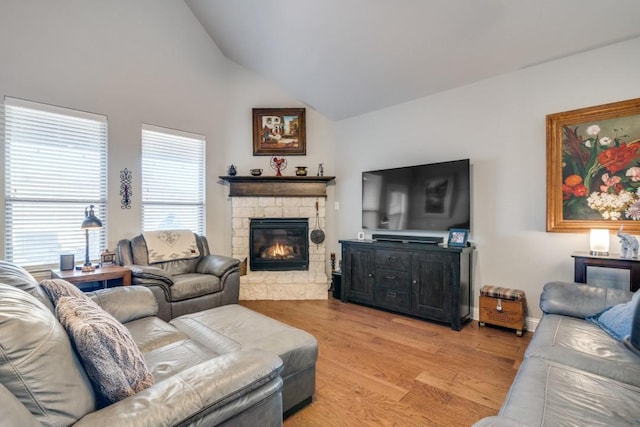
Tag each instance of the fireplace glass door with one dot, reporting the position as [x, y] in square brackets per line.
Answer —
[279, 244]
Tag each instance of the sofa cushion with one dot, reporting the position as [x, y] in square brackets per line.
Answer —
[171, 359]
[110, 356]
[616, 320]
[18, 277]
[233, 327]
[187, 286]
[579, 300]
[150, 333]
[583, 345]
[126, 303]
[550, 394]
[37, 362]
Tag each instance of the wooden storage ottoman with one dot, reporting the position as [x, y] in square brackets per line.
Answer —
[503, 307]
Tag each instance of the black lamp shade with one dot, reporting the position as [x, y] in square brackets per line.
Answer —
[90, 219]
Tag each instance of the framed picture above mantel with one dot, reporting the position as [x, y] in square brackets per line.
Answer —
[593, 168]
[279, 131]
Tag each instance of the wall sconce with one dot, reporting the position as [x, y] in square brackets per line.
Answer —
[599, 242]
[90, 221]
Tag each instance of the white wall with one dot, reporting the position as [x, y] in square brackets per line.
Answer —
[500, 125]
[247, 91]
[144, 61]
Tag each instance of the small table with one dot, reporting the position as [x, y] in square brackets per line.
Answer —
[584, 259]
[110, 272]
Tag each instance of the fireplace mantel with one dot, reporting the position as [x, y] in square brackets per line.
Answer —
[278, 186]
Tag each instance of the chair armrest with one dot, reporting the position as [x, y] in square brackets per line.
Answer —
[578, 299]
[153, 274]
[126, 303]
[218, 265]
[235, 381]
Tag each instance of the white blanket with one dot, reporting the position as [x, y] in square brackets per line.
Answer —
[169, 245]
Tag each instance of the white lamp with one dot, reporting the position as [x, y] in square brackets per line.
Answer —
[599, 242]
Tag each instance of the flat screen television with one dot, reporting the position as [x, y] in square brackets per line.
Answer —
[430, 197]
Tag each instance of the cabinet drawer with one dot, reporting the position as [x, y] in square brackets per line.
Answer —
[392, 298]
[393, 279]
[393, 259]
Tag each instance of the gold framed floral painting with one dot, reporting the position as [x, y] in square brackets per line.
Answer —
[593, 168]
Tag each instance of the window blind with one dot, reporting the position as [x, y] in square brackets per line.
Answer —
[173, 180]
[55, 166]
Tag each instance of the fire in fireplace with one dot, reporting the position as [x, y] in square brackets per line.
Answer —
[278, 244]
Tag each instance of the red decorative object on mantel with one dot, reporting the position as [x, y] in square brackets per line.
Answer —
[278, 163]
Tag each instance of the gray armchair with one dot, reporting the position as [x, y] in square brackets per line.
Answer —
[183, 286]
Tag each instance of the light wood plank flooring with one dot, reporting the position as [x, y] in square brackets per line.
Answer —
[377, 368]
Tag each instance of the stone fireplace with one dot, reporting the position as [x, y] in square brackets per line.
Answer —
[312, 283]
[288, 197]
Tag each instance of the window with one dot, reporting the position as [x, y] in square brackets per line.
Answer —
[55, 167]
[172, 180]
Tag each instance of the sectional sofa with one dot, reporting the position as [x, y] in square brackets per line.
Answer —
[575, 373]
[225, 366]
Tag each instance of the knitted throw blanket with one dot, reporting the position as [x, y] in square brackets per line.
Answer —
[170, 245]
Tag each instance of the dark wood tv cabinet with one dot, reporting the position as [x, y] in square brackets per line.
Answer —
[423, 280]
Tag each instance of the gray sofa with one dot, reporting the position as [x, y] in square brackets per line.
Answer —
[223, 366]
[182, 286]
[574, 373]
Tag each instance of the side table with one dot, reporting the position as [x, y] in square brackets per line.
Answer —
[582, 260]
[101, 274]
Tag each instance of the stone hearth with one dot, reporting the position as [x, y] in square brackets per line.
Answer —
[280, 285]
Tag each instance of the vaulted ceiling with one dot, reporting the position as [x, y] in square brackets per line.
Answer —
[348, 57]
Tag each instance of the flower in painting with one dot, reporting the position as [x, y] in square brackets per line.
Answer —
[573, 180]
[615, 159]
[611, 205]
[580, 190]
[634, 211]
[633, 173]
[587, 143]
[573, 186]
[593, 130]
[610, 182]
[605, 140]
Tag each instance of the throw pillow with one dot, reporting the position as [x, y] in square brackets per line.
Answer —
[109, 354]
[617, 319]
[58, 288]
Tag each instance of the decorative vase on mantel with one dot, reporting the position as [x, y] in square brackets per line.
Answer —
[301, 171]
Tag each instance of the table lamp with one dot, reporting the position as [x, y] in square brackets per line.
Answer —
[90, 221]
[599, 242]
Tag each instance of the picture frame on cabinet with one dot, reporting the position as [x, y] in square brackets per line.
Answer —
[458, 237]
[593, 168]
[279, 132]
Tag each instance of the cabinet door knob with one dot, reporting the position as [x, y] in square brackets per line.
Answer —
[370, 274]
[391, 294]
[415, 282]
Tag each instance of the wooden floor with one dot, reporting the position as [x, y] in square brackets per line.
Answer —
[377, 368]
